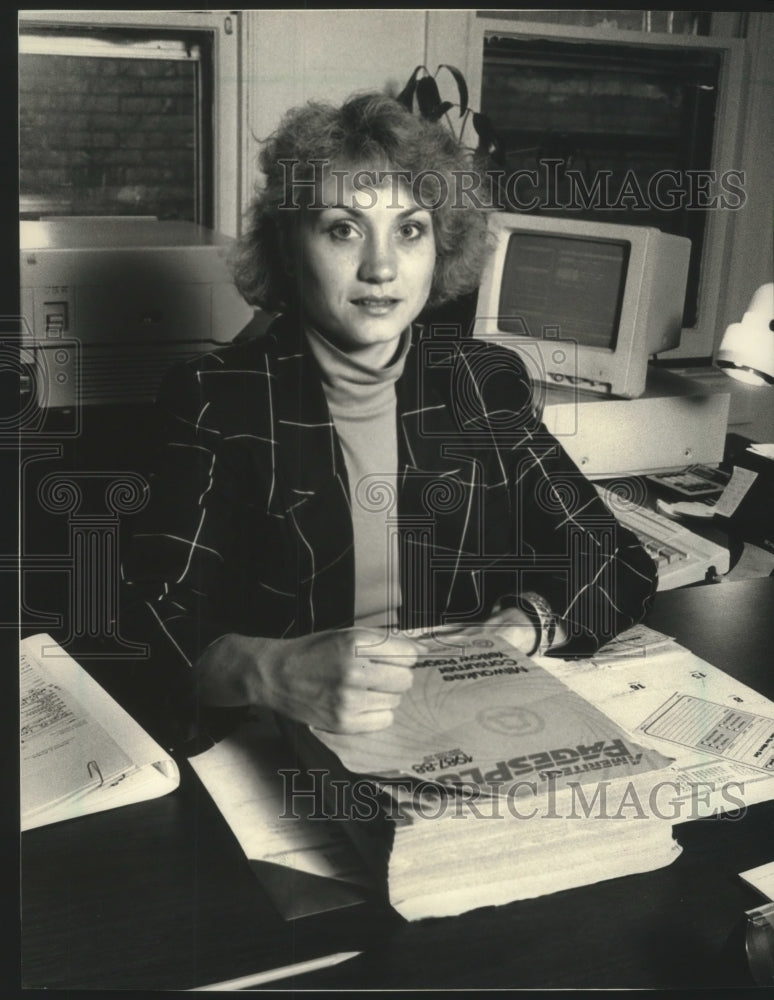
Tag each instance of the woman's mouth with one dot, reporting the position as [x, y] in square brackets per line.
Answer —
[376, 305]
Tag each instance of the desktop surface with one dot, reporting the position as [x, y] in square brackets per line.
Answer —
[159, 895]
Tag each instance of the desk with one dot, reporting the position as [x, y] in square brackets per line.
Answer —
[159, 896]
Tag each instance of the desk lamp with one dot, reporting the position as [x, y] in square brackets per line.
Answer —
[746, 351]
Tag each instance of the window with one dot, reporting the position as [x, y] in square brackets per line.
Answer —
[114, 126]
[616, 133]
[677, 22]
[714, 117]
[130, 114]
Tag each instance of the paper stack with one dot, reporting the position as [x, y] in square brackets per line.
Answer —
[80, 752]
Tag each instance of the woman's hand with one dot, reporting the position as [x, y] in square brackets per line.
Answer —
[344, 681]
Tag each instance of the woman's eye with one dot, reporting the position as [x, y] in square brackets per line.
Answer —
[412, 230]
[342, 230]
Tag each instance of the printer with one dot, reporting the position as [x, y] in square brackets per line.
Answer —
[108, 304]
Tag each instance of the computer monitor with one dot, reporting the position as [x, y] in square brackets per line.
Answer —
[585, 303]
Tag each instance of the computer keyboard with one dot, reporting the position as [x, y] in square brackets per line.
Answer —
[682, 557]
[695, 481]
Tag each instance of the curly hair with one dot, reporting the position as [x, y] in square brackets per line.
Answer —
[368, 131]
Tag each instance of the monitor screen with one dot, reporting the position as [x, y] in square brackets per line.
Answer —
[571, 287]
[585, 303]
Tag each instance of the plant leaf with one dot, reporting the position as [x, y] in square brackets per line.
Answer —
[406, 96]
[428, 97]
[462, 87]
[488, 140]
[439, 112]
[484, 129]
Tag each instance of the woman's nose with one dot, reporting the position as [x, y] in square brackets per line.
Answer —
[379, 263]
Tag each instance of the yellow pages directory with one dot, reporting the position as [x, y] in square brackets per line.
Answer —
[496, 771]
[482, 714]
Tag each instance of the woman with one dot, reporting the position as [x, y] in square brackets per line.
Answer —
[351, 475]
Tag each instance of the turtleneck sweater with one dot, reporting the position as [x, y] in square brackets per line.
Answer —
[360, 391]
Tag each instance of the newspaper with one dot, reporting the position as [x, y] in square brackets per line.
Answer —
[719, 731]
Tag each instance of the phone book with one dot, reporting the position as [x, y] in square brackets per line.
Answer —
[495, 782]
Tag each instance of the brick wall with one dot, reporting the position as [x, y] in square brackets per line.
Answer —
[105, 136]
[615, 124]
[563, 102]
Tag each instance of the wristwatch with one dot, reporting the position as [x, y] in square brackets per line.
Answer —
[538, 610]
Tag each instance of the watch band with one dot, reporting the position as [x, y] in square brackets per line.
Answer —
[539, 611]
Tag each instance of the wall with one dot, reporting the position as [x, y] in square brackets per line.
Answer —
[754, 409]
[292, 56]
[750, 251]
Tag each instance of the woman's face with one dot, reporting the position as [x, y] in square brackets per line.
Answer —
[364, 263]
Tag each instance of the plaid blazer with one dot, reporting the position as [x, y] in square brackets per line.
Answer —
[248, 526]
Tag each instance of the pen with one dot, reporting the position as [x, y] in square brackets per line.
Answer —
[248, 982]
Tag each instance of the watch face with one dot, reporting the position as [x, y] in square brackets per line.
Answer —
[540, 610]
